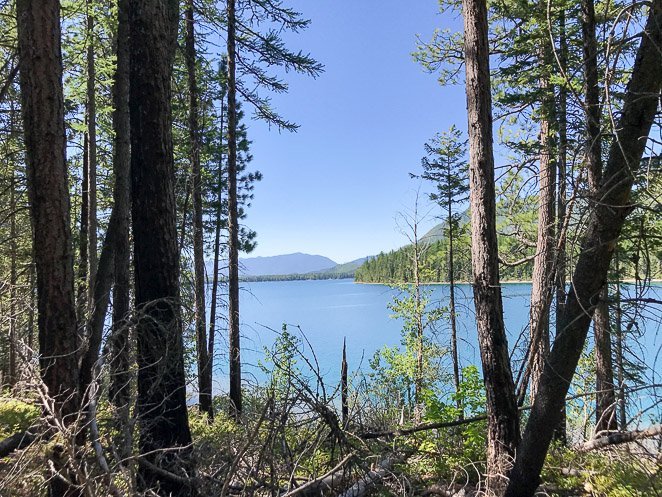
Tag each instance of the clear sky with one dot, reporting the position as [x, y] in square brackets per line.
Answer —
[335, 187]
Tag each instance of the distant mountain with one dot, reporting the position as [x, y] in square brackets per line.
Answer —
[297, 263]
[346, 268]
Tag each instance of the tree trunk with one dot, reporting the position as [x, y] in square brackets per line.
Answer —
[560, 272]
[453, 315]
[119, 390]
[204, 385]
[83, 235]
[603, 359]
[543, 266]
[233, 222]
[503, 421]
[161, 406]
[43, 123]
[217, 253]
[604, 227]
[91, 156]
[13, 282]
[605, 414]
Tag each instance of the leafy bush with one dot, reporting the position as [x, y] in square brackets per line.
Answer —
[15, 416]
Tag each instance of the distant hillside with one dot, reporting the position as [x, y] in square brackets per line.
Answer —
[346, 268]
[296, 263]
[339, 271]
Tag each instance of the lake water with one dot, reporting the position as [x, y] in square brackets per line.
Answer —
[328, 311]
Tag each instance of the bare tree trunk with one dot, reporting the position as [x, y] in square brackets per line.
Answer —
[204, 385]
[217, 253]
[344, 386]
[91, 155]
[83, 236]
[233, 221]
[622, 418]
[604, 227]
[503, 420]
[119, 390]
[453, 314]
[13, 282]
[603, 365]
[605, 407]
[543, 266]
[560, 272]
[163, 418]
[43, 122]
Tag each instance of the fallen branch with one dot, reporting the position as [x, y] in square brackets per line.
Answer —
[17, 441]
[370, 479]
[620, 437]
[422, 427]
[327, 480]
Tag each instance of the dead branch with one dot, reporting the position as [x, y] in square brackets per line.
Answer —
[328, 480]
[17, 441]
[372, 478]
[619, 438]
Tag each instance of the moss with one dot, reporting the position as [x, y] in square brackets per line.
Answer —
[16, 415]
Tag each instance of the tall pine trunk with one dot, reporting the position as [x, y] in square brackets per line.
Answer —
[165, 437]
[233, 222]
[560, 272]
[204, 385]
[543, 265]
[119, 390]
[217, 250]
[453, 314]
[91, 164]
[43, 123]
[503, 421]
[604, 410]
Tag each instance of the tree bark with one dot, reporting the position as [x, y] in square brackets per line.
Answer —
[543, 266]
[605, 405]
[233, 221]
[503, 421]
[561, 200]
[204, 383]
[453, 314]
[13, 282]
[43, 120]
[165, 437]
[119, 390]
[217, 250]
[91, 164]
[603, 358]
[604, 227]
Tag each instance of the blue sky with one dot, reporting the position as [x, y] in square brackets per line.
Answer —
[336, 186]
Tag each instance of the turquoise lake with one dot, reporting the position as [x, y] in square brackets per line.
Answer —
[326, 311]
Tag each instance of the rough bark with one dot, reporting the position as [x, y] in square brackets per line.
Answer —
[13, 282]
[91, 165]
[119, 390]
[604, 226]
[453, 314]
[43, 123]
[503, 421]
[233, 221]
[165, 437]
[593, 155]
[543, 265]
[217, 251]
[204, 379]
[560, 273]
[344, 390]
[605, 406]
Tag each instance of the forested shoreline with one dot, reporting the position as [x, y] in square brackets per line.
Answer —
[126, 188]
